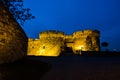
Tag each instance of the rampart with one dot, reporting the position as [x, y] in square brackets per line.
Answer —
[52, 43]
[13, 40]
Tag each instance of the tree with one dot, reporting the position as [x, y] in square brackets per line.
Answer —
[105, 44]
[20, 14]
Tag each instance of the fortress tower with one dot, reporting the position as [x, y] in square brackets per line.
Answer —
[52, 43]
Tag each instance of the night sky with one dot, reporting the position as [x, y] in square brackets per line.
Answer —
[73, 15]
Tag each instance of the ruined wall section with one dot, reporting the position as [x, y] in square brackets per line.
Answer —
[48, 44]
[13, 41]
[80, 40]
[33, 46]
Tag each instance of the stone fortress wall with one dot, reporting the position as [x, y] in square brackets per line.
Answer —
[13, 40]
[52, 43]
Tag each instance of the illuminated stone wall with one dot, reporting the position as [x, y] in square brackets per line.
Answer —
[13, 41]
[87, 40]
[51, 43]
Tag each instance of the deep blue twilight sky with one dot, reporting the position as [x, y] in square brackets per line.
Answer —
[73, 15]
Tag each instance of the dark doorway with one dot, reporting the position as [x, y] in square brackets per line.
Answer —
[68, 49]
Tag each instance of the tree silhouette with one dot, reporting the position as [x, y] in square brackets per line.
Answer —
[105, 44]
[20, 14]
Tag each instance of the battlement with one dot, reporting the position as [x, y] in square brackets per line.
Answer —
[83, 32]
[51, 33]
[77, 34]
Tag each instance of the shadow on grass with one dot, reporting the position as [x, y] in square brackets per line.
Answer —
[24, 69]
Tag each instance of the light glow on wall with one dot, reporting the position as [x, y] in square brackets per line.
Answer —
[80, 47]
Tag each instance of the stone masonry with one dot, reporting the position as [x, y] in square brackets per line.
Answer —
[13, 40]
[52, 43]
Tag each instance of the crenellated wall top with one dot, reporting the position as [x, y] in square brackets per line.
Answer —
[77, 34]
